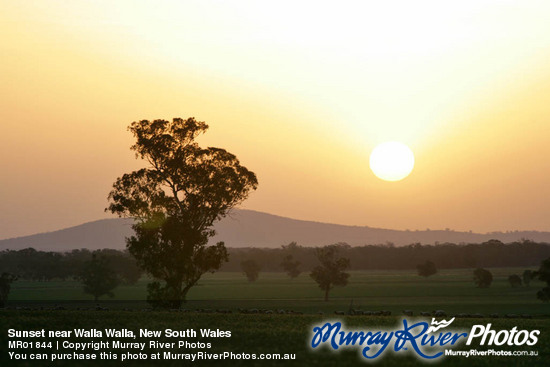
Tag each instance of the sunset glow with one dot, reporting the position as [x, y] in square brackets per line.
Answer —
[301, 93]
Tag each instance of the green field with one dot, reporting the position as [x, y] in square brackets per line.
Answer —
[449, 290]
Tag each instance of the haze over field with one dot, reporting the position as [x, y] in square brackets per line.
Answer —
[300, 92]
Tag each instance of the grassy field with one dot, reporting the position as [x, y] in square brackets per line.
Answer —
[450, 290]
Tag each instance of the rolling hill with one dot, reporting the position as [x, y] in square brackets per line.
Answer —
[248, 228]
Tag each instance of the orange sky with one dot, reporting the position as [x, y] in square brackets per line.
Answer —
[301, 93]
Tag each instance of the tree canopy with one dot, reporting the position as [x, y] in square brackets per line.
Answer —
[175, 201]
[251, 269]
[290, 266]
[5, 286]
[483, 278]
[543, 274]
[98, 277]
[330, 272]
[514, 280]
[426, 269]
[527, 276]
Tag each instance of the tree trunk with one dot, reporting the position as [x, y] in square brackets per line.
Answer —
[326, 295]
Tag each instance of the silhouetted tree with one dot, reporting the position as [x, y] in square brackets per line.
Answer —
[124, 265]
[331, 271]
[514, 280]
[175, 201]
[544, 274]
[527, 276]
[5, 286]
[291, 247]
[291, 267]
[98, 277]
[426, 269]
[75, 261]
[544, 294]
[251, 269]
[483, 278]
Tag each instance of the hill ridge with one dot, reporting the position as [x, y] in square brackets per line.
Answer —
[250, 228]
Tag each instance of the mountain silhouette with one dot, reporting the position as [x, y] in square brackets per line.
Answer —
[248, 228]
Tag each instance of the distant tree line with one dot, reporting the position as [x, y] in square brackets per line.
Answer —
[101, 271]
[30, 264]
[292, 258]
[489, 254]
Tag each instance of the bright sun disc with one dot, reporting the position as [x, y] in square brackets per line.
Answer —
[392, 161]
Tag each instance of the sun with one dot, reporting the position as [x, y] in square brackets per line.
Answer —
[392, 161]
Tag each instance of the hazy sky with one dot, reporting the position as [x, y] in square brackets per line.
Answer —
[301, 92]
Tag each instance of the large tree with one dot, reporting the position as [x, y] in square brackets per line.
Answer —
[175, 201]
[330, 272]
